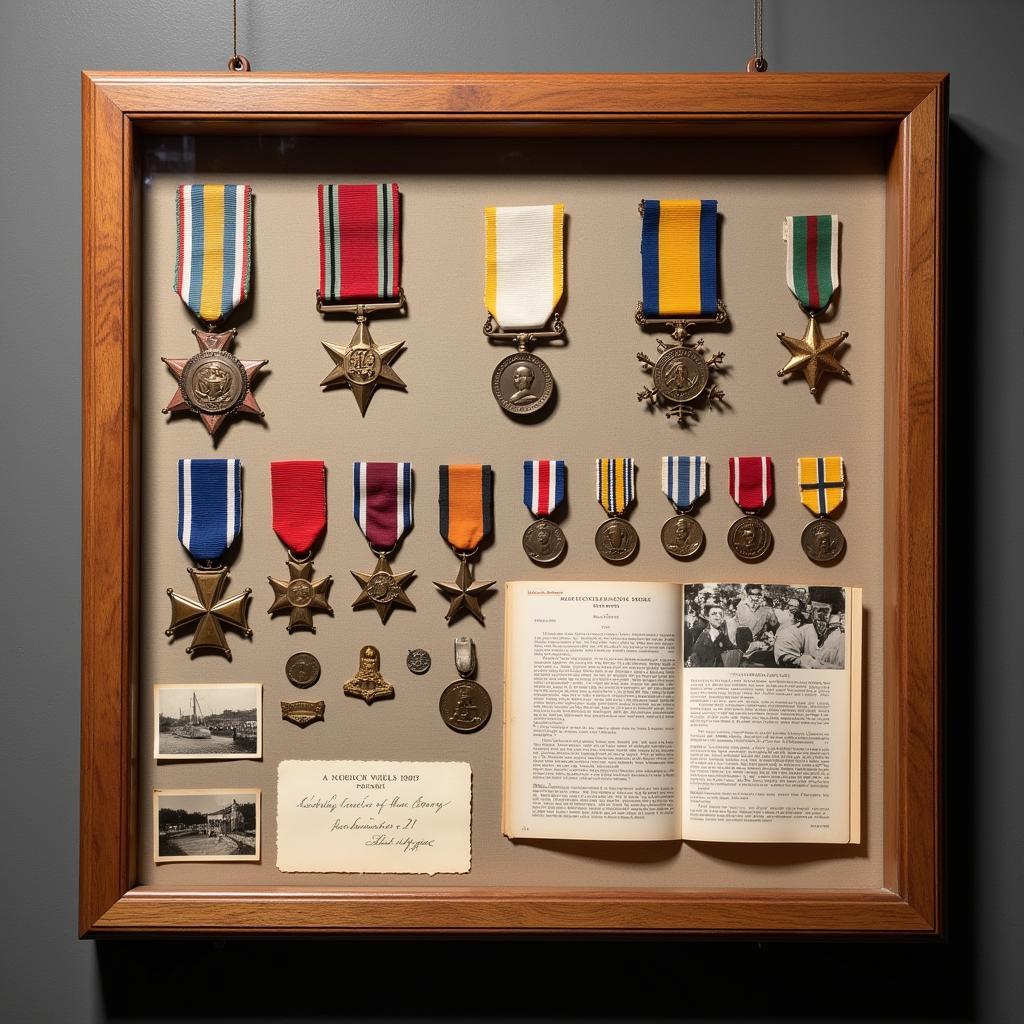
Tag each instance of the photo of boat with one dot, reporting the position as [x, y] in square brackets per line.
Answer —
[207, 721]
[195, 728]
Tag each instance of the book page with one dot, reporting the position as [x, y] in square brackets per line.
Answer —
[770, 713]
[591, 729]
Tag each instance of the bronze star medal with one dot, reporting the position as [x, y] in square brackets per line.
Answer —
[209, 611]
[813, 354]
[465, 593]
[300, 595]
[214, 383]
[382, 588]
[363, 365]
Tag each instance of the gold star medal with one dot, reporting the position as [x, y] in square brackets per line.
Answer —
[465, 500]
[298, 492]
[812, 273]
[359, 250]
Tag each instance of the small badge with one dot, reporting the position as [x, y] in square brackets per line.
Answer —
[418, 661]
[302, 712]
[368, 683]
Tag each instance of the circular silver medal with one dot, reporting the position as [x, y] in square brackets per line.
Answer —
[682, 536]
[418, 661]
[214, 382]
[750, 538]
[822, 541]
[522, 383]
[616, 540]
[543, 542]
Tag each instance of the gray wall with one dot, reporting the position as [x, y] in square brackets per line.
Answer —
[47, 974]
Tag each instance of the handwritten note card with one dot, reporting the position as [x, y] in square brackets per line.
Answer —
[381, 817]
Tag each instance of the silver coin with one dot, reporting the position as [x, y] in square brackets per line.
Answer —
[543, 542]
[616, 540]
[822, 541]
[418, 661]
[465, 705]
[302, 669]
[682, 536]
[522, 383]
[214, 381]
[750, 538]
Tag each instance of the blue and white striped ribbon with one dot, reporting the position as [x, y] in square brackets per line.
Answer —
[684, 478]
[209, 506]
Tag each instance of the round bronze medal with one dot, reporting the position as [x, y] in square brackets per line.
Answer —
[616, 540]
[302, 669]
[362, 364]
[213, 382]
[543, 542]
[682, 536]
[750, 538]
[681, 373]
[522, 383]
[822, 541]
[465, 705]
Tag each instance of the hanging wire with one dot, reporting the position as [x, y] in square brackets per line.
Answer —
[237, 62]
[757, 62]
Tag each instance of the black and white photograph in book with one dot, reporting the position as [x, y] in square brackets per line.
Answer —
[764, 625]
[207, 721]
[206, 824]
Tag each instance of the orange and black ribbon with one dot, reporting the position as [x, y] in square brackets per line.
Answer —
[466, 500]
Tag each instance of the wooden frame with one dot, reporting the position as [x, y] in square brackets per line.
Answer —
[909, 110]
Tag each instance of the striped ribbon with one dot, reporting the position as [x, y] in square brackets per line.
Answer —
[298, 496]
[382, 501]
[750, 481]
[209, 506]
[214, 254]
[465, 499]
[543, 485]
[614, 484]
[684, 478]
[822, 483]
[679, 257]
[812, 259]
[524, 263]
[359, 241]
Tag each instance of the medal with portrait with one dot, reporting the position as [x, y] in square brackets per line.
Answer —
[616, 540]
[750, 484]
[822, 489]
[543, 493]
[683, 482]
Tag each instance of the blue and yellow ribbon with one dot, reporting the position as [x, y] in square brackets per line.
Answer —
[679, 257]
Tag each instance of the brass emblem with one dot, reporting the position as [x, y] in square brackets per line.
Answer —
[209, 611]
[682, 536]
[822, 540]
[465, 593]
[302, 669]
[750, 538]
[368, 683]
[214, 383]
[813, 354]
[616, 540]
[544, 542]
[300, 595]
[522, 383]
[382, 588]
[302, 712]
[418, 661]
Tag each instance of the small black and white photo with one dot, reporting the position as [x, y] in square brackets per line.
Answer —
[206, 824]
[207, 721]
[764, 625]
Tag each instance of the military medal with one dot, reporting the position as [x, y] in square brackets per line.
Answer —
[616, 540]
[543, 492]
[465, 501]
[368, 684]
[209, 522]
[382, 506]
[524, 284]
[750, 484]
[822, 488]
[812, 273]
[684, 479]
[465, 705]
[212, 277]
[299, 498]
[360, 274]
[302, 669]
[679, 267]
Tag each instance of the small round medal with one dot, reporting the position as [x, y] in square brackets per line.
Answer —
[418, 661]
[213, 382]
[465, 705]
[750, 538]
[616, 540]
[543, 542]
[681, 373]
[822, 541]
[302, 669]
[682, 536]
[522, 383]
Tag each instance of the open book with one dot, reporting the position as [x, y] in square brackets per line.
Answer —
[709, 712]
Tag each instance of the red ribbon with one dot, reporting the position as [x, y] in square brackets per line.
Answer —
[299, 494]
[750, 481]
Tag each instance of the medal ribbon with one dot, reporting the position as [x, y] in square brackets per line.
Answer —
[298, 492]
[679, 257]
[543, 485]
[209, 506]
[614, 484]
[750, 481]
[465, 498]
[359, 241]
[524, 261]
[382, 501]
[214, 254]
[812, 259]
[822, 483]
[684, 478]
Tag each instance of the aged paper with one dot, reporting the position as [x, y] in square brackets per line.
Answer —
[387, 817]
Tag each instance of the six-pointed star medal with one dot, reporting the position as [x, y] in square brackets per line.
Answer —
[813, 354]
[363, 365]
[214, 383]
[465, 593]
[300, 595]
[383, 588]
[210, 611]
